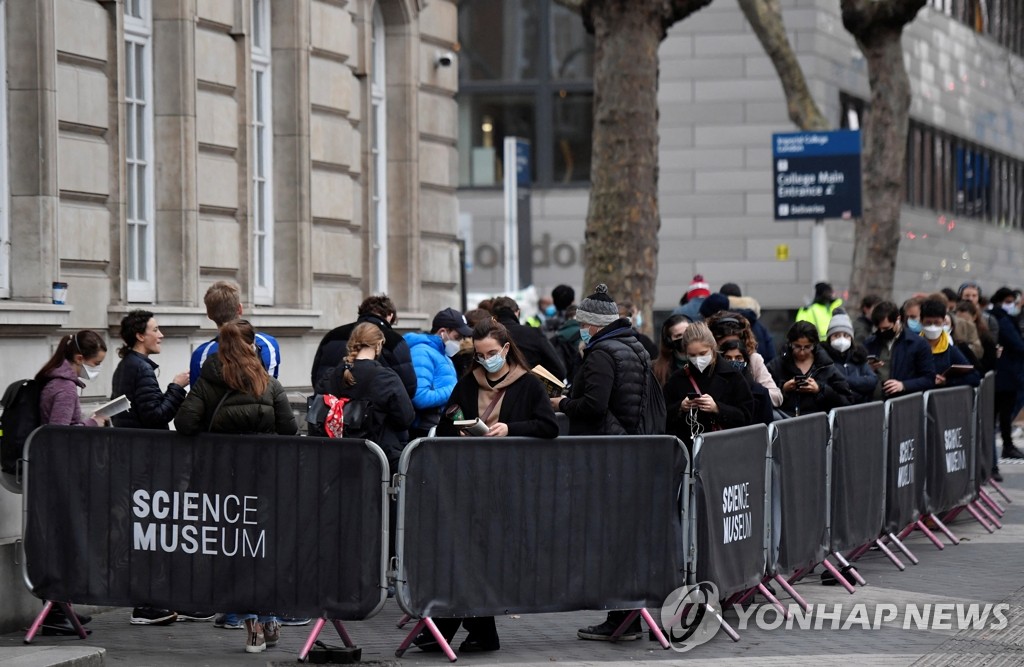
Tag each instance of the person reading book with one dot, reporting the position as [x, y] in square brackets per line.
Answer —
[503, 394]
[949, 360]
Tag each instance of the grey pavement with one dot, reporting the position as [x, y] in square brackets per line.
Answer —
[983, 568]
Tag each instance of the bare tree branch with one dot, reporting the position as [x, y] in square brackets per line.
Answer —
[765, 18]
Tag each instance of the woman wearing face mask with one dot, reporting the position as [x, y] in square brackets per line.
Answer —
[734, 352]
[670, 353]
[850, 358]
[707, 393]
[77, 358]
[727, 326]
[810, 381]
[503, 394]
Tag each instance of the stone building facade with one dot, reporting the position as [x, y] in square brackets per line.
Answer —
[302, 148]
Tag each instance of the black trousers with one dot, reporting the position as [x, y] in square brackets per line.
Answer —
[1005, 402]
[481, 628]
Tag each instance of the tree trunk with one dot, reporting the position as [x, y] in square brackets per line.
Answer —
[623, 219]
[877, 235]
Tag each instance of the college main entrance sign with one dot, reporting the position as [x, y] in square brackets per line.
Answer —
[816, 175]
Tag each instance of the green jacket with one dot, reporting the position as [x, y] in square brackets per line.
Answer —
[819, 315]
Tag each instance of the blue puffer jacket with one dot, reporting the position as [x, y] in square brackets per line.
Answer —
[435, 376]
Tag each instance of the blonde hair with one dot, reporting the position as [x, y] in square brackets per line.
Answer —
[364, 335]
[699, 332]
[222, 302]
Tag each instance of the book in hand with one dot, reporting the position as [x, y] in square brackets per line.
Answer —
[554, 386]
[957, 369]
[471, 426]
[114, 407]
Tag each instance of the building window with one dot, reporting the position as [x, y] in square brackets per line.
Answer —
[138, 97]
[262, 164]
[379, 153]
[526, 70]
[952, 175]
[5, 218]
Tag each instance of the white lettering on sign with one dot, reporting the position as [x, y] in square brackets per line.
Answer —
[956, 457]
[808, 185]
[737, 523]
[905, 474]
[190, 522]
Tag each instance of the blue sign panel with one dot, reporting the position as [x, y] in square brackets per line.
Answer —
[523, 163]
[816, 174]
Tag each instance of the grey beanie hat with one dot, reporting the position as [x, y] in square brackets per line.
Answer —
[598, 309]
[840, 323]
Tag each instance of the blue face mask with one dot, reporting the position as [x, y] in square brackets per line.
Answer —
[1010, 308]
[914, 324]
[492, 364]
[585, 335]
[550, 311]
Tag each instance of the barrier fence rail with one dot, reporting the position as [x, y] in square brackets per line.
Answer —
[291, 525]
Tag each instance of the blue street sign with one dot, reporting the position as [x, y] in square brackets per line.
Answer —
[523, 163]
[816, 174]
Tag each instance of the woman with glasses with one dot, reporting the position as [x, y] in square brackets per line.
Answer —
[510, 401]
[810, 381]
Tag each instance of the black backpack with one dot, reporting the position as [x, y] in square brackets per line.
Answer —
[19, 418]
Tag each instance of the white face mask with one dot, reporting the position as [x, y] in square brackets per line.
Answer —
[87, 372]
[948, 328]
[702, 361]
[451, 347]
[842, 344]
[932, 332]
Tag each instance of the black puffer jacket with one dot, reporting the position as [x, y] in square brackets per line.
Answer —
[135, 377]
[239, 413]
[333, 349]
[609, 387]
[834, 391]
[722, 382]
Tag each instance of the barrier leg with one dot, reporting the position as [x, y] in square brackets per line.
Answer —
[906, 531]
[408, 639]
[774, 600]
[38, 622]
[314, 632]
[438, 637]
[938, 522]
[860, 551]
[988, 515]
[979, 518]
[991, 502]
[791, 591]
[890, 555]
[742, 598]
[728, 629]
[929, 534]
[798, 575]
[625, 624]
[655, 629]
[839, 576]
[902, 547]
[952, 514]
[853, 571]
[343, 633]
[995, 485]
[402, 621]
[73, 617]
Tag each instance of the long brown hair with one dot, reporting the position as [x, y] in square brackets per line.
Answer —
[86, 342]
[664, 365]
[497, 331]
[364, 335]
[727, 323]
[241, 367]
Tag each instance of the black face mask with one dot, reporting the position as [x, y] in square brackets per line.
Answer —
[738, 364]
[886, 335]
[677, 345]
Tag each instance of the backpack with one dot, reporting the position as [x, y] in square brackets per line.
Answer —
[653, 412]
[19, 418]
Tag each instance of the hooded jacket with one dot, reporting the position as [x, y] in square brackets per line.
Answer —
[58, 399]
[834, 391]
[135, 377]
[435, 375]
[333, 349]
[239, 412]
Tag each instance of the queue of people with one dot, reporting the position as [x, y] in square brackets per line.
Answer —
[713, 367]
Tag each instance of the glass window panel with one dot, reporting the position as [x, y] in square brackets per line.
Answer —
[499, 40]
[491, 119]
[572, 47]
[140, 72]
[131, 192]
[129, 139]
[257, 24]
[140, 132]
[129, 70]
[141, 196]
[571, 132]
[142, 250]
[258, 95]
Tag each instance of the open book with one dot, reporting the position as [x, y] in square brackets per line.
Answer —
[554, 386]
[114, 407]
[471, 426]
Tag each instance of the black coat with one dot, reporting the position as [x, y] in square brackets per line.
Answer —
[722, 382]
[391, 409]
[534, 345]
[854, 366]
[333, 349]
[525, 408]
[834, 391]
[135, 377]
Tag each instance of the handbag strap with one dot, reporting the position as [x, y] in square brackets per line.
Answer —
[690, 378]
[209, 424]
[490, 406]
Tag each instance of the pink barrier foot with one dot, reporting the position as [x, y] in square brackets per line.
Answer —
[839, 576]
[408, 639]
[791, 592]
[655, 628]
[853, 571]
[948, 533]
[343, 633]
[73, 617]
[929, 534]
[890, 555]
[314, 632]
[995, 485]
[988, 515]
[438, 637]
[972, 510]
[728, 629]
[859, 551]
[952, 514]
[991, 502]
[902, 547]
[774, 600]
[38, 622]
[625, 624]
[402, 621]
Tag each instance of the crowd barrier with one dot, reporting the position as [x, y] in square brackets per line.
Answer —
[298, 525]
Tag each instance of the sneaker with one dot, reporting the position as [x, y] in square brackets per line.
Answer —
[271, 632]
[255, 642]
[603, 631]
[996, 475]
[228, 622]
[293, 621]
[1011, 452]
[151, 616]
[197, 616]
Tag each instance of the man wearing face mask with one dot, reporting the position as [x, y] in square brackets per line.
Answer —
[910, 314]
[435, 372]
[614, 393]
[1009, 366]
[902, 360]
[951, 366]
[850, 358]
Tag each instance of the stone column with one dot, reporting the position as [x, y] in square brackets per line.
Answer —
[32, 119]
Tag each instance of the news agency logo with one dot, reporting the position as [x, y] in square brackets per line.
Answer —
[690, 616]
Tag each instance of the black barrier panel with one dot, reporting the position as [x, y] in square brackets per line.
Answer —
[949, 437]
[521, 525]
[985, 439]
[125, 517]
[905, 462]
[857, 507]
[799, 498]
[729, 467]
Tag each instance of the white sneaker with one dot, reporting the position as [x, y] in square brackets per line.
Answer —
[254, 639]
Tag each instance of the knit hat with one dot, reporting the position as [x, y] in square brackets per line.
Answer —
[698, 288]
[714, 303]
[840, 323]
[598, 309]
